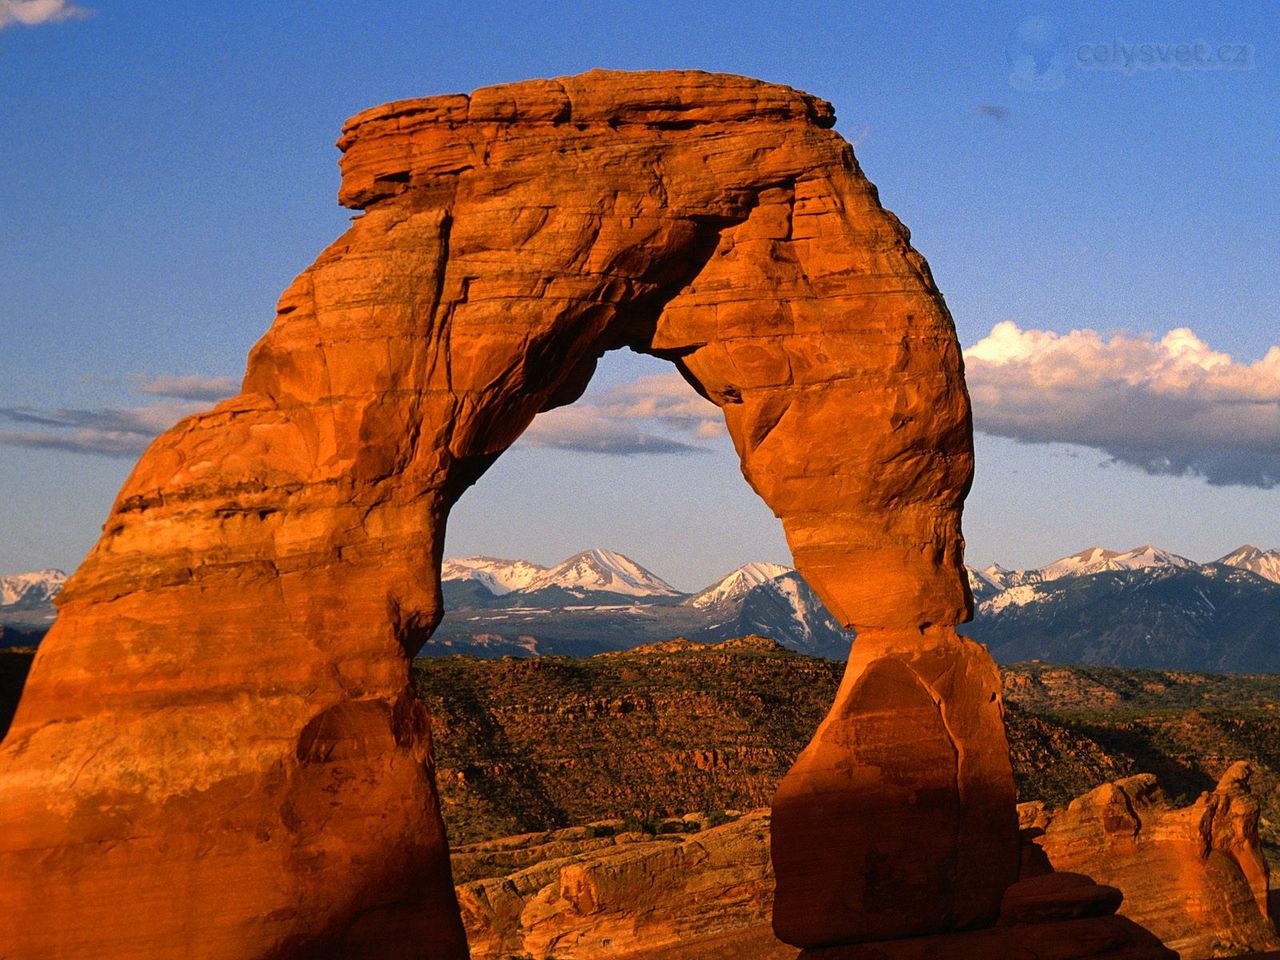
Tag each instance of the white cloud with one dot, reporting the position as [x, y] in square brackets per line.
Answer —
[189, 387]
[587, 430]
[115, 431]
[32, 13]
[670, 412]
[668, 399]
[653, 414]
[1170, 406]
[121, 432]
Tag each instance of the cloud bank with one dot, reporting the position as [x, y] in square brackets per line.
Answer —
[670, 413]
[189, 387]
[114, 431]
[657, 414]
[1172, 406]
[32, 13]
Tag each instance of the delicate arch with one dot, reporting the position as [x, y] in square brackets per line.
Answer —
[223, 712]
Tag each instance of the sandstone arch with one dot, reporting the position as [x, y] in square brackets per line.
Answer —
[218, 753]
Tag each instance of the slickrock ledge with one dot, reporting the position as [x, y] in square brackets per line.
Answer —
[219, 752]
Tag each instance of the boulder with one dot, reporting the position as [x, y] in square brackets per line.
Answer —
[705, 896]
[1194, 876]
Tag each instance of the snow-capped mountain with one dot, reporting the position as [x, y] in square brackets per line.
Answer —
[996, 589]
[591, 571]
[786, 609]
[499, 577]
[1144, 607]
[1208, 618]
[601, 600]
[1087, 562]
[603, 571]
[26, 605]
[1139, 607]
[1099, 560]
[31, 590]
[737, 584]
[1265, 563]
[987, 582]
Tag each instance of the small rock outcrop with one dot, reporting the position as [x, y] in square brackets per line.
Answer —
[219, 750]
[704, 896]
[1195, 876]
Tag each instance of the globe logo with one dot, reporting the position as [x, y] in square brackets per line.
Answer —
[1037, 54]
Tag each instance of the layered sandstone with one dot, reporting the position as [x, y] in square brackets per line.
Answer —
[626, 896]
[1194, 876]
[219, 751]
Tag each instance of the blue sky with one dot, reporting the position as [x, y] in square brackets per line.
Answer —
[169, 167]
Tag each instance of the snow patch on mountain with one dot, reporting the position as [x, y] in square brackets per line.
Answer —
[34, 589]
[790, 590]
[1087, 562]
[986, 580]
[1018, 596]
[737, 584]
[603, 570]
[1265, 563]
[499, 577]
[1100, 560]
[997, 589]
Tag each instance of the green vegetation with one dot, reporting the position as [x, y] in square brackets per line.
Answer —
[539, 744]
[527, 745]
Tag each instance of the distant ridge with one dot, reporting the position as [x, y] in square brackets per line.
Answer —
[31, 590]
[1142, 607]
[601, 600]
[26, 605]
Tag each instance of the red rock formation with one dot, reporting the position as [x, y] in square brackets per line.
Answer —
[218, 751]
[1058, 916]
[1195, 876]
[671, 897]
[575, 895]
[895, 820]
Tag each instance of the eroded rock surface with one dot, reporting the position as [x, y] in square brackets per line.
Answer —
[895, 821]
[582, 893]
[1194, 876]
[705, 896]
[218, 751]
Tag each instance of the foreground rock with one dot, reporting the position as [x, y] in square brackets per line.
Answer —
[705, 896]
[219, 752]
[575, 895]
[1192, 877]
[1195, 876]
[898, 819]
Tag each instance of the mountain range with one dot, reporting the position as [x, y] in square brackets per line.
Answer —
[1144, 607]
[600, 600]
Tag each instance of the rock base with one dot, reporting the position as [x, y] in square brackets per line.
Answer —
[1060, 916]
